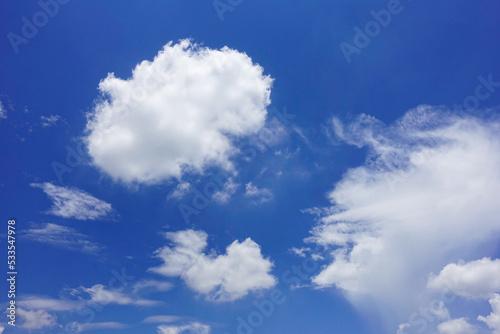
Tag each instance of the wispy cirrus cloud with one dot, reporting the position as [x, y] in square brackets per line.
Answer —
[93, 326]
[48, 121]
[163, 319]
[3, 112]
[99, 294]
[74, 203]
[62, 237]
[192, 328]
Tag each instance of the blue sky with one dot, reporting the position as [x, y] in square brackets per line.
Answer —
[251, 166]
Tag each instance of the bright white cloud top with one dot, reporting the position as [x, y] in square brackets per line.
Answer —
[74, 203]
[179, 112]
[427, 196]
[476, 279]
[493, 320]
[456, 326]
[220, 277]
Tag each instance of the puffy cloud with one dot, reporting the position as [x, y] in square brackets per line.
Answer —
[192, 328]
[475, 279]
[177, 113]
[456, 326]
[36, 319]
[426, 196]
[222, 278]
[224, 195]
[63, 237]
[74, 203]
[493, 320]
[259, 195]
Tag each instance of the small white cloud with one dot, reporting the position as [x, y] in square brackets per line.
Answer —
[302, 252]
[180, 191]
[220, 277]
[161, 319]
[50, 120]
[48, 304]
[152, 285]
[62, 237]
[402, 327]
[3, 112]
[83, 327]
[493, 320]
[259, 195]
[74, 203]
[36, 319]
[99, 294]
[224, 195]
[475, 279]
[178, 113]
[456, 326]
[192, 328]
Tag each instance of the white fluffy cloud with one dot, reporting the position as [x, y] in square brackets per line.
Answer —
[179, 112]
[63, 237]
[475, 279]
[259, 195]
[456, 326]
[36, 319]
[427, 196]
[74, 203]
[224, 195]
[493, 320]
[192, 328]
[221, 278]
